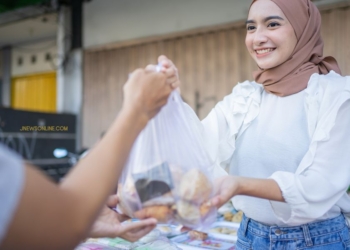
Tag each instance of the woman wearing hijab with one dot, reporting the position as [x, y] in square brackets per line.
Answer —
[285, 136]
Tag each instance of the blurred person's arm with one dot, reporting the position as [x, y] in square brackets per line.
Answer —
[49, 216]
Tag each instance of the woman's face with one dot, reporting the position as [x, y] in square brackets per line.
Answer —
[270, 37]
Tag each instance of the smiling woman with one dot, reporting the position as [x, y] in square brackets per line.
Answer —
[285, 136]
[270, 36]
[294, 44]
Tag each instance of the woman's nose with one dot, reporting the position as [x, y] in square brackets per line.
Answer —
[259, 37]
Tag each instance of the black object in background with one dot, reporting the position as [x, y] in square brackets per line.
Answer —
[35, 136]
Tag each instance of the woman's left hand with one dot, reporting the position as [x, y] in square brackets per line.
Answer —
[108, 224]
[228, 186]
[224, 188]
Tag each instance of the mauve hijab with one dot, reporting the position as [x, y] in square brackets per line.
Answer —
[293, 75]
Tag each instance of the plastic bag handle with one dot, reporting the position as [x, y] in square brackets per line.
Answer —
[175, 96]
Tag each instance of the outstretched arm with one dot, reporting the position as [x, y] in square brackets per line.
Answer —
[59, 217]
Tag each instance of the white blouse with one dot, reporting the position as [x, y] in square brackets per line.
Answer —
[302, 141]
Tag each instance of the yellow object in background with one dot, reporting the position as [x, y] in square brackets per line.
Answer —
[34, 92]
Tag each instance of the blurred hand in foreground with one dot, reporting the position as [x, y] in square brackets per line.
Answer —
[145, 93]
[109, 224]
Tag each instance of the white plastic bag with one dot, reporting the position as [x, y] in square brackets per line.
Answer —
[169, 174]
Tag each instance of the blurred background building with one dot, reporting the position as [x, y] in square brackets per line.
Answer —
[72, 57]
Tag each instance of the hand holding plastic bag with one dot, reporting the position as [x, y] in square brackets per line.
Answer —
[168, 175]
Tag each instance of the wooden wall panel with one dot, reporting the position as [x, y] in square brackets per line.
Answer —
[210, 64]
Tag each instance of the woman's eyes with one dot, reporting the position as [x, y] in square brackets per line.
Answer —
[273, 25]
[270, 25]
[250, 27]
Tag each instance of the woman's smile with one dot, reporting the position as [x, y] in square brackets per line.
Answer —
[263, 52]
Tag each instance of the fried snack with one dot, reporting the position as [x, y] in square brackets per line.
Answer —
[224, 230]
[228, 216]
[196, 235]
[165, 199]
[188, 212]
[162, 213]
[204, 209]
[195, 186]
[237, 217]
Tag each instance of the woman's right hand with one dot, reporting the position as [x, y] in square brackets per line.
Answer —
[145, 93]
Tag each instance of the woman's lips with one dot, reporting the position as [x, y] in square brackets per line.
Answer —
[263, 52]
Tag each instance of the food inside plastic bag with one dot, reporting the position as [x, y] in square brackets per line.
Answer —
[168, 174]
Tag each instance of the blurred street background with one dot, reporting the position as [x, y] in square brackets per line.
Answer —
[63, 62]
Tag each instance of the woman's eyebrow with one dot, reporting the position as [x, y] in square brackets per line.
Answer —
[273, 17]
[266, 19]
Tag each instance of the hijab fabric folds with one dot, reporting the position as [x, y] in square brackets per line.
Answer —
[293, 75]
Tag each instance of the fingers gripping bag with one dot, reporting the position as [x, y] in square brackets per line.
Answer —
[169, 175]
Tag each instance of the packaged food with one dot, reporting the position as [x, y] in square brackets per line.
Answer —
[211, 242]
[225, 230]
[195, 186]
[233, 217]
[197, 235]
[169, 174]
[162, 213]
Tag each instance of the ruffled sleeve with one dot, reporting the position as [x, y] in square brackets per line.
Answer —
[323, 175]
[228, 120]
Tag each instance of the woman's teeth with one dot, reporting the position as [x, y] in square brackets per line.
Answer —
[262, 51]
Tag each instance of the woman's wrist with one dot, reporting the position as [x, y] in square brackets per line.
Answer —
[239, 185]
[262, 188]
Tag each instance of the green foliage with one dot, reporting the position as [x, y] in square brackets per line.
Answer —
[8, 5]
